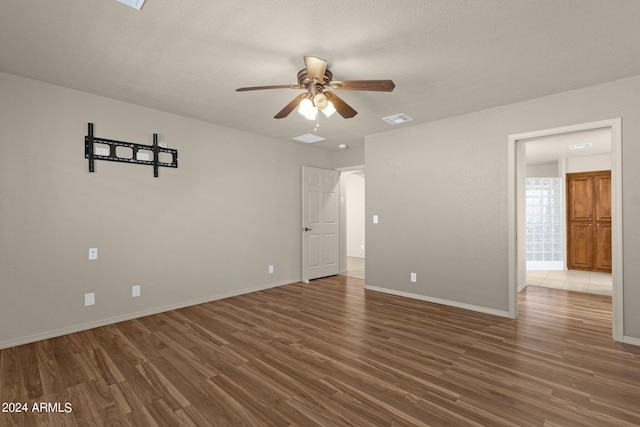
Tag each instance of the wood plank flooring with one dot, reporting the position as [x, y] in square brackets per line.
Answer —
[331, 354]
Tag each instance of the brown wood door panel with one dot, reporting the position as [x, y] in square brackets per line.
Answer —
[580, 193]
[589, 221]
[602, 185]
[602, 249]
[580, 247]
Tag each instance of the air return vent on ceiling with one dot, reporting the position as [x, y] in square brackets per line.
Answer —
[136, 4]
[397, 119]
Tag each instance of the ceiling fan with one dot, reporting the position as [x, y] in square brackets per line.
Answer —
[317, 81]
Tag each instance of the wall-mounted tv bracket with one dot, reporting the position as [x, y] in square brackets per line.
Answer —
[90, 152]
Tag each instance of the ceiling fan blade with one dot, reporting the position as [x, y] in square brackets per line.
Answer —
[341, 107]
[374, 85]
[315, 68]
[290, 106]
[244, 89]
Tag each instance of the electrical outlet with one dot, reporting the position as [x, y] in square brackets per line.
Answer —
[93, 253]
[414, 277]
[89, 299]
[101, 151]
[135, 291]
[271, 269]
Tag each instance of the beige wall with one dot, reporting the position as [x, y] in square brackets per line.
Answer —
[205, 230]
[349, 157]
[440, 190]
[355, 183]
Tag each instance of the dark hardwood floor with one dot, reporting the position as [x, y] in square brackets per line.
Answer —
[331, 354]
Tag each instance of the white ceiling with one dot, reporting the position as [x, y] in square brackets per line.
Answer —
[446, 57]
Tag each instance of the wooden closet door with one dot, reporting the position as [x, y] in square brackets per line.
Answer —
[589, 221]
[580, 199]
[580, 246]
[602, 250]
[602, 183]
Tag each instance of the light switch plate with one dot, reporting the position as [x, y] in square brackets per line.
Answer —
[93, 253]
[414, 277]
[135, 291]
[375, 219]
[89, 299]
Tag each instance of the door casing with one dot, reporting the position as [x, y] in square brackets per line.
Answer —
[516, 213]
[320, 223]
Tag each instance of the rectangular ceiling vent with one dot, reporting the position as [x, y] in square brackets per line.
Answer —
[579, 146]
[309, 138]
[396, 119]
[136, 4]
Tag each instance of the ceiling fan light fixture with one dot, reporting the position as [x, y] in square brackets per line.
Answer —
[320, 101]
[329, 109]
[305, 107]
[311, 114]
[315, 78]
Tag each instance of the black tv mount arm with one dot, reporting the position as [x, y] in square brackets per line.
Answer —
[90, 152]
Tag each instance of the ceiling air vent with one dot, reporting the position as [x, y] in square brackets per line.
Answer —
[396, 119]
[309, 138]
[136, 4]
[579, 146]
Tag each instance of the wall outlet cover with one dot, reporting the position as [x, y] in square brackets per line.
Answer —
[135, 291]
[93, 253]
[414, 277]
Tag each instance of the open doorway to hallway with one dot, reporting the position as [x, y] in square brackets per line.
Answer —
[354, 182]
[549, 161]
[517, 212]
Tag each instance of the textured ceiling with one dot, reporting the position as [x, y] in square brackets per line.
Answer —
[447, 57]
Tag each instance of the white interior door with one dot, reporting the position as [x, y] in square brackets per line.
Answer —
[320, 223]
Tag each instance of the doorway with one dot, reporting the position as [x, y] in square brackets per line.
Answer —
[560, 168]
[517, 211]
[352, 183]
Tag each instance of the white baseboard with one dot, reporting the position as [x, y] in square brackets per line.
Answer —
[130, 316]
[522, 286]
[456, 304]
[631, 340]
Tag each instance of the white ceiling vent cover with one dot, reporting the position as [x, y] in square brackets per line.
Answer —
[309, 138]
[136, 4]
[579, 146]
[396, 119]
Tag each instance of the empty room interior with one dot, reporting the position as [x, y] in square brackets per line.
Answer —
[319, 214]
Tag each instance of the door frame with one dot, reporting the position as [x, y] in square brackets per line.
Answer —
[343, 215]
[306, 273]
[516, 213]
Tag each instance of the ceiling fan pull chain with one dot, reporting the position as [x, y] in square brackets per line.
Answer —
[317, 122]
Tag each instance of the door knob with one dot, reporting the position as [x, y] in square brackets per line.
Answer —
[306, 229]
